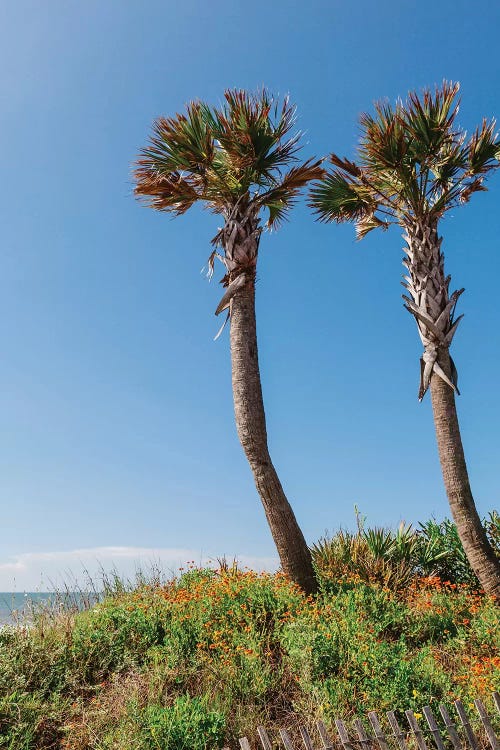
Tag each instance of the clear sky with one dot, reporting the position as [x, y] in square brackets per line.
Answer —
[115, 402]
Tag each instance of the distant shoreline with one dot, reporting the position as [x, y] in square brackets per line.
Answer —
[16, 606]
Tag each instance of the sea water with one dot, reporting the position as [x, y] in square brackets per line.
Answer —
[14, 606]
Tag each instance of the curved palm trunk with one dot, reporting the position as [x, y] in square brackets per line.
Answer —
[240, 238]
[251, 424]
[456, 480]
[433, 308]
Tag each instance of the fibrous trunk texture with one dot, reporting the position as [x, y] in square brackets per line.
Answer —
[433, 309]
[240, 240]
[430, 302]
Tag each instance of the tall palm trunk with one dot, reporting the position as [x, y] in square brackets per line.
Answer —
[433, 308]
[240, 238]
[251, 424]
[456, 480]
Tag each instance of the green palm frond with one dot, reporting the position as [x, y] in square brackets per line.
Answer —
[429, 119]
[448, 164]
[183, 142]
[383, 143]
[384, 152]
[338, 197]
[219, 155]
[281, 198]
[173, 170]
[484, 149]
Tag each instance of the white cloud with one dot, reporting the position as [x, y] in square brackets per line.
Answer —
[42, 571]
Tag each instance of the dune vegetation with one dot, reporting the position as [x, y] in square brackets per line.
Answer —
[201, 659]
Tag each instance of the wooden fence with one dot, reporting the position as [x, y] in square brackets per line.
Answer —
[453, 734]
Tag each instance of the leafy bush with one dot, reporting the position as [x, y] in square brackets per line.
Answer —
[188, 724]
[363, 651]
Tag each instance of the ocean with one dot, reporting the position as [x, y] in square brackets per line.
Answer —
[13, 605]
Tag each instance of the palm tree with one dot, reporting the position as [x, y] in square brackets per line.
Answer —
[414, 165]
[238, 159]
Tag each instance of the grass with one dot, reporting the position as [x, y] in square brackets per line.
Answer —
[198, 661]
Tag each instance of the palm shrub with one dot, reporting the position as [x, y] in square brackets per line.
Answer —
[239, 160]
[415, 164]
[397, 558]
[492, 526]
[377, 555]
[350, 558]
[453, 564]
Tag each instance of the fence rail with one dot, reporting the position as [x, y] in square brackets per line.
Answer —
[454, 734]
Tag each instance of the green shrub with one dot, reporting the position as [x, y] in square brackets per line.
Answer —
[364, 648]
[188, 724]
[29, 722]
[114, 635]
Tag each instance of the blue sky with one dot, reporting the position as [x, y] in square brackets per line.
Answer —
[118, 438]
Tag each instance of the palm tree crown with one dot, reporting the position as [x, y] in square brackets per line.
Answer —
[414, 164]
[236, 159]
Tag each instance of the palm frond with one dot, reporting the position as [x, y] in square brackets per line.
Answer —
[367, 223]
[383, 144]
[183, 142]
[172, 170]
[384, 154]
[337, 198]
[429, 119]
[171, 192]
[448, 164]
[280, 198]
[474, 186]
[484, 148]
[345, 165]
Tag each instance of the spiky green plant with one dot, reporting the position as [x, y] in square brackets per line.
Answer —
[414, 164]
[239, 160]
